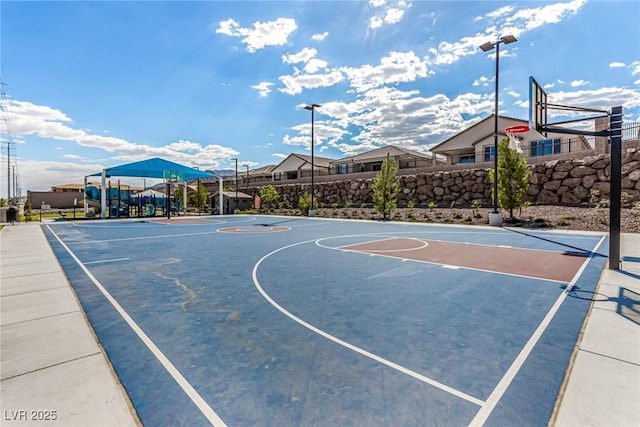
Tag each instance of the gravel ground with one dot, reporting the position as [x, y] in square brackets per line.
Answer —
[545, 217]
[587, 219]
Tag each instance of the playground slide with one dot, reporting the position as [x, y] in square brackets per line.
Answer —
[92, 199]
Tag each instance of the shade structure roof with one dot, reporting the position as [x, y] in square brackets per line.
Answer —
[157, 168]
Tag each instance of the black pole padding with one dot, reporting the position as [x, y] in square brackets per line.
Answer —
[168, 201]
[615, 195]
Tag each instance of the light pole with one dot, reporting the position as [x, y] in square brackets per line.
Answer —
[312, 108]
[247, 186]
[235, 207]
[497, 218]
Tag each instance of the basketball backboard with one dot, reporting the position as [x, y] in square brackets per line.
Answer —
[537, 107]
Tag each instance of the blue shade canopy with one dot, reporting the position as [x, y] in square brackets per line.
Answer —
[157, 168]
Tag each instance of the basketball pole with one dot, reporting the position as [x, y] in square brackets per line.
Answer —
[615, 190]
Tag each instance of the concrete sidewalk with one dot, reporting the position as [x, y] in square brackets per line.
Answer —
[604, 381]
[50, 360]
[53, 371]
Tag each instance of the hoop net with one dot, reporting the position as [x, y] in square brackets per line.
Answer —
[515, 134]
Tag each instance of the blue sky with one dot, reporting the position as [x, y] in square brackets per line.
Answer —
[94, 84]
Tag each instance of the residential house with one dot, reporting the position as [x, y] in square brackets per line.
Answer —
[257, 176]
[476, 143]
[296, 166]
[371, 161]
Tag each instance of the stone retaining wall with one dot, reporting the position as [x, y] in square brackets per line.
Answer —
[557, 182]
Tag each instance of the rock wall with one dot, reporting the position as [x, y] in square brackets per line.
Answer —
[557, 182]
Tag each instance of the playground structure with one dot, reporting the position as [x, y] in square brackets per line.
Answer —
[121, 203]
[118, 202]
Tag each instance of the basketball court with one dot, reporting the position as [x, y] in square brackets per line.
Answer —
[262, 320]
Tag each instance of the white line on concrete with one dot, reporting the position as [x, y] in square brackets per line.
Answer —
[345, 344]
[488, 406]
[202, 405]
[107, 260]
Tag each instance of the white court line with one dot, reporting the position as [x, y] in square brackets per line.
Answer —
[493, 399]
[195, 397]
[382, 251]
[450, 266]
[345, 344]
[107, 260]
[124, 239]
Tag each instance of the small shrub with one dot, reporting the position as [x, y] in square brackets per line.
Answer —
[432, 205]
[475, 205]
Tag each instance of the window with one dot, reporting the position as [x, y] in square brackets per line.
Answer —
[489, 153]
[341, 168]
[471, 158]
[406, 164]
[545, 147]
[376, 166]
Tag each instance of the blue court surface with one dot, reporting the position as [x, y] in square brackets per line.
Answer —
[273, 321]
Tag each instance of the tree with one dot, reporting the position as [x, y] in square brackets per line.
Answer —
[385, 188]
[27, 210]
[513, 177]
[268, 194]
[199, 198]
[304, 202]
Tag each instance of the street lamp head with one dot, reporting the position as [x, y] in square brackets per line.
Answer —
[487, 46]
[508, 39]
[312, 107]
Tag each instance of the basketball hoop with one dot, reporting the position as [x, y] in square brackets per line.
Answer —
[515, 136]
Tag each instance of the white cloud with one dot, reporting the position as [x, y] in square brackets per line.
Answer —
[375, 22]
[578, 83]
[528, 19]
[393, 16]
[44, 122]
[617, 65]
[320, 37]
[314, 65]
[602, 99]
[183, 145]
[387, 115]
[504, 21]
[280, 155]
[263, 88]
[263, 34]
[481, 81]
[295, 84]
[72, 156]
[303, 56]
[42, 175]
[396, 67]
[505, 10]
[635, 67]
